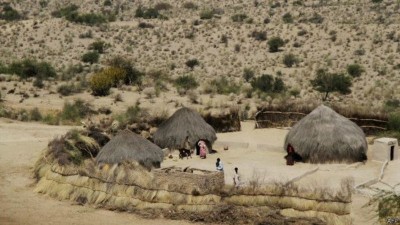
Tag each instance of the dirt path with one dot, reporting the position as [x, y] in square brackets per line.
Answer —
[20, 145]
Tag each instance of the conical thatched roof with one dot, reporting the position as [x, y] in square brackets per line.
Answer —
[184, 123]
[325, 136]
[127, 146]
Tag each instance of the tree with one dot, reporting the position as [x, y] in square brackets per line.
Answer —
[191, 63]
[326, 82]
[133, 75]
[267, 83]
[275, 43]
[99, 46]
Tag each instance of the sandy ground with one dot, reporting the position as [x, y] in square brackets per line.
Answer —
[20, 145]
[257, 153]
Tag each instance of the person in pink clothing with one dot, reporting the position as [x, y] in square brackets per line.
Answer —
[203, 149]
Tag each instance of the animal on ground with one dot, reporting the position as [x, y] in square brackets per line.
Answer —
[183, 152]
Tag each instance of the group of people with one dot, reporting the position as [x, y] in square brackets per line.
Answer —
[236, 177]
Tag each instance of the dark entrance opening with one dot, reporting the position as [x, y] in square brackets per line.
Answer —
[391, 153]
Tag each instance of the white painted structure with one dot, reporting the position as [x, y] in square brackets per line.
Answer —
[385, 149]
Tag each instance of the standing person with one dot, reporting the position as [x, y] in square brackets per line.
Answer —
[290, 155]
[236, 178]
[219, 165]
[203, 149]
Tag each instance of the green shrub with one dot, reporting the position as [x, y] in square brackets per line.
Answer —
[316, 18]
[132, 75]
[147, 13]
[394, 121]
[240, 17]
[32, 68]
[191, 63]
[9, 13]
[186, 82]
[107, 3]
[163, 6]
[275, 43]
[189, 5]
[223, 86]
[287, 18]
[35, 114]
[248, 74]
[259, 35]
[267, 83]
[68, 89]
[75, 111]
[71, 14]
[289, 60]
[100, 84]
[355, 70]
[376, 1]
[38, 82]
[99, 46]
[91, 57]
[68, 11]
[207, 14]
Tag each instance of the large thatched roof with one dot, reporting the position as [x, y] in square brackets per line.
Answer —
[184, 123]
[325, 136]
[127, 146]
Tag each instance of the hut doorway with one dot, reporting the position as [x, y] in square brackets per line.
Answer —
[391, 153]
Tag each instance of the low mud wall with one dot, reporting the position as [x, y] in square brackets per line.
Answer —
[267, 119]
[122, 188]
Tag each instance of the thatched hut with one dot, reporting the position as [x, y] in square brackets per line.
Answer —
[185, 125]
[128, 146]
[325, 136]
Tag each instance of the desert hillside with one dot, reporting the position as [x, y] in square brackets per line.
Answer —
[228, 40]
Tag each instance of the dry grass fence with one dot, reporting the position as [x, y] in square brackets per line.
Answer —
[130, 187]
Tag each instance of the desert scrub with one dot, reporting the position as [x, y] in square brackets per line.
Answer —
[73, 112]
[223, 86]
[101, 82]
[207, 14]
[148, 13]
[275, 43]
[71, 14]
[185, 83]
[68, 89]
[267, 83]
[99, 46]
[289, 60]
[91, 57]
[240, 17]
[31, 68]
[9, 13]
[355, 70]
[191, 63]
[132, 75]
[248, 74]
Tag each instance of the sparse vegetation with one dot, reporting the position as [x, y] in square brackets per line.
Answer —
[223, 86]
[207, 14]
[248, 74]
[259, 35]
[287, 18]
[75, 111]
[101, 82]
[132, 75]
[240, 17]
